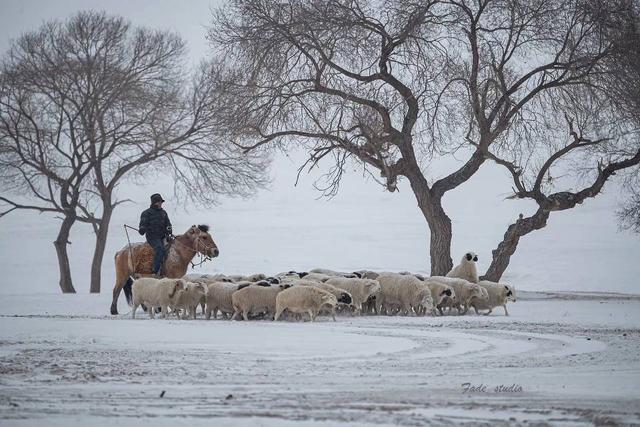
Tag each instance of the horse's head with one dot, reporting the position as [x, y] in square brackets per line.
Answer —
[202, 240]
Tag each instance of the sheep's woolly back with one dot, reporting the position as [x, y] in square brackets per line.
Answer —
[341, 295]
[318, 277]
[256, 298]
[219, 295]
[405, 290]
[302, 298]
[467, 269]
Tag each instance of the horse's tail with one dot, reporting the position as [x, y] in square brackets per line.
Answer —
[127, 290]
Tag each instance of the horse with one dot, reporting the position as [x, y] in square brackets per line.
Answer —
[136, 259]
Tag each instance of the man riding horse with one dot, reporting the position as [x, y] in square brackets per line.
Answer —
[148, 258]
[155, 224]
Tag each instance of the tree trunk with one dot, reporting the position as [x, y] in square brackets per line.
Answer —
[61, 242]
[441, 233]
[98, 253]
[506, 248]
[437, 219]
[439, 227]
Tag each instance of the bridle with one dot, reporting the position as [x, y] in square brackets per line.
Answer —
[203, 257]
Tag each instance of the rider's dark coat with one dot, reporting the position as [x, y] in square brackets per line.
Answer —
[154, 222]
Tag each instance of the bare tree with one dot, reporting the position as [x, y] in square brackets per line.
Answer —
[601, 123]
[126, 92]
[629, 214]
[396, 85]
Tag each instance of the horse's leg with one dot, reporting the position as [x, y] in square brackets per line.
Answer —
[121, 279]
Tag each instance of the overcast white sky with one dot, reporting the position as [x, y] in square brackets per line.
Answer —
[286, 227]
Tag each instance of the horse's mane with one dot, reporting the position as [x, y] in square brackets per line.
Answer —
[203, 227]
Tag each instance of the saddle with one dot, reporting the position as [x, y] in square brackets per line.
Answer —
[144, 259]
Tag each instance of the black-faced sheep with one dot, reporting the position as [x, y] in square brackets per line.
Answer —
[360, 289]
[498, 295]
[467, 269]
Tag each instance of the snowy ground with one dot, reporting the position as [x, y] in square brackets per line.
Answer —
[577, 362]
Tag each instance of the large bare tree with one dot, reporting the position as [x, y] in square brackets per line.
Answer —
[105, 101]
[396, 85]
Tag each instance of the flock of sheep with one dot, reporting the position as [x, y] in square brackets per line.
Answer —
[294, 294]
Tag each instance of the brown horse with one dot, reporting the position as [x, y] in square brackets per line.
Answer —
[137, 258]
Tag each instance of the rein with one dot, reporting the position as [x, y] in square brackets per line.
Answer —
[203, 258]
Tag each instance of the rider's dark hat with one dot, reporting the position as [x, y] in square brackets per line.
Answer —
[155, 198]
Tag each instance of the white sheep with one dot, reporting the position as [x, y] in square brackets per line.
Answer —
[289, 275]
[342, 296]
[318, 277]
[497, 296]
[255, 299]
[219, 298]
[404, 291]
[187, 299]
[463, 289]
[466, 269]
[334, 273]
[303, 299]
[360, 289]
[256, 277]
[155, 293]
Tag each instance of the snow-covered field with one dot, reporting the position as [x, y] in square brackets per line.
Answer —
[569, 358]
[568, 362]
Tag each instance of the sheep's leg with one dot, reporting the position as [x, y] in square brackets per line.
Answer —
[475, 308]
[333, 314]
[152, 314]
[133, 310]
[409, 310]
[488, 312]
[311, 316]
[245, 315]
[278, 314]
[466, 308]
[165, 309]
[207, 313]
[506, 313]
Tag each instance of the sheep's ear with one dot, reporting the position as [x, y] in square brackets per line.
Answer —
[506, 287]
